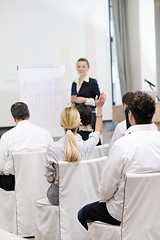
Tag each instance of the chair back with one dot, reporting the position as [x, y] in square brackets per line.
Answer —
[99, 151]
[8, 211]
[78, 183]
[141, 211]
[30, 185]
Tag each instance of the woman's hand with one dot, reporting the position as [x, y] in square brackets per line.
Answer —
[99, 104]
[73, 98]
[101, 100]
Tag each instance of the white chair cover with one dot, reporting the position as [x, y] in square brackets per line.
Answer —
[78, 184]
[7, 211]
[99, 151]
[141, 219]
[30, 185]
[47, 220]
[4, 235]
[103, 231]
[141, 211]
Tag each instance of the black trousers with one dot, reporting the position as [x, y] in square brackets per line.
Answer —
[96, 212]
[7, 182]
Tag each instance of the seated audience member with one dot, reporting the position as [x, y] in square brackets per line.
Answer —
[121, 127]
[85, 127]
[137, 152]
[23, 137]
[71, 147]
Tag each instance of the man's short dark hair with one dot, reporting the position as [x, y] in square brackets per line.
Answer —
[85, 114]
[126, 97]
[20, 111]
[142, 106]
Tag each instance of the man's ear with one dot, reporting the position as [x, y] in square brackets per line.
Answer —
[131, 118]
[15, 119]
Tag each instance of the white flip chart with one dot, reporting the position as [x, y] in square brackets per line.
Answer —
[43, 89]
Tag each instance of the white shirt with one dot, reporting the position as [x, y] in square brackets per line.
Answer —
[56, 152]
[119, 132]
[24, 137]
[138, 152]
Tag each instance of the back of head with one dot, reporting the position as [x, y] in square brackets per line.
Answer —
[142, 106]
[126, 97]
[20, 111]
[70, 120]
[85, 114]
[125, 100]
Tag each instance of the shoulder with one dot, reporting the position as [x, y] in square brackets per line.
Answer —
[40, 130]
[56, 151]
[125, 140]
[57, 145]
[92, 80]
[74, 82]
[121, 127]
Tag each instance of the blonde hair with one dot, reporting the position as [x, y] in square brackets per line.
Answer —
[70, 120]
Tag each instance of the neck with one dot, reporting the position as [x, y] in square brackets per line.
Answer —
[19, 120]
[81, 79]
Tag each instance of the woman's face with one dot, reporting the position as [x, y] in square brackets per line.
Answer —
[82, 68]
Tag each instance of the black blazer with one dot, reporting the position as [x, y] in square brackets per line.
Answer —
[88, 89]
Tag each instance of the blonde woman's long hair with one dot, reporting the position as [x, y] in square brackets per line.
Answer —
[70, 120]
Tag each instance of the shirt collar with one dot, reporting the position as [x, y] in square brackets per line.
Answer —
[141, 127]
[85, 80]
[22, 122]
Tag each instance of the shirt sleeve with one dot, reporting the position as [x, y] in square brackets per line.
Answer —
[95, 88]
[111, 174]
[74, 89]
[90, 102]
[118, 133]
[91, 142]
[51, 141]
[5, 160]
